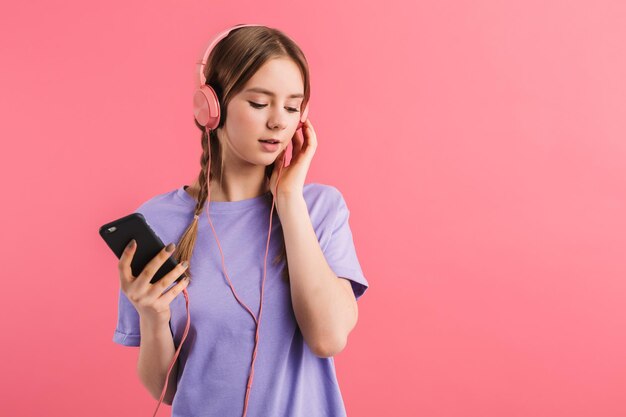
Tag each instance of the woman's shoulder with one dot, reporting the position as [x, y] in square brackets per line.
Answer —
[321, 192]
[324, 201]
[166, 212]
[168, 207]
[162, 201]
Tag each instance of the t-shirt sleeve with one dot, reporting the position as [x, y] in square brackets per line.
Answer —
[340, 252]
[127, 329]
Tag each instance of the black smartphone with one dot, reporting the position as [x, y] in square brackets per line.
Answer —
[118, 233]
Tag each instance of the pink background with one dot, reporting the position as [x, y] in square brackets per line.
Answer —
[480, 147]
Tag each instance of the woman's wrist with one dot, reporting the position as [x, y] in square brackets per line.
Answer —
[153, 324]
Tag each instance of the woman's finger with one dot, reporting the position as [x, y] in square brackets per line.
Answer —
[311, 142]
[160, 286]
[126, 273]
[297, 145]
[170, 294]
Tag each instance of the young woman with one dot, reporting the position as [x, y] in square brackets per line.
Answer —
[276, 324]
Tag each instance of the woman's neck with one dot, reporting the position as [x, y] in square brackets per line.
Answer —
[220, 195]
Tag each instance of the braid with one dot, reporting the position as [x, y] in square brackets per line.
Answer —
[187, 242]
[202, 176]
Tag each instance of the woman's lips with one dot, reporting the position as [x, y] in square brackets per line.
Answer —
[269, 147]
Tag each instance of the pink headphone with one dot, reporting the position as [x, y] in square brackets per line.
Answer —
[207, 113]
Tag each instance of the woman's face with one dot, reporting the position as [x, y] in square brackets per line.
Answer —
[253, 115]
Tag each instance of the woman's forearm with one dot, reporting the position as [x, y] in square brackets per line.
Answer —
[156, 352]
[324, 306]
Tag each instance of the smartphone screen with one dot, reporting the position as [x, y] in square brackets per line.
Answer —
[118, 233]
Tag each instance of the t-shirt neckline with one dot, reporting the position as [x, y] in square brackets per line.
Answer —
[263, 200]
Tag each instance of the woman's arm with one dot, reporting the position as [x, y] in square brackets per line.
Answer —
[156, 352]
[324, 305]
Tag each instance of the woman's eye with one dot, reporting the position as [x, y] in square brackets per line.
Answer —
[260, 106]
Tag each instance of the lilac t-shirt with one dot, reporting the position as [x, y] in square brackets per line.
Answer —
[214, 362]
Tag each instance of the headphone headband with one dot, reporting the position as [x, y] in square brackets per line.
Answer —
[207, 51]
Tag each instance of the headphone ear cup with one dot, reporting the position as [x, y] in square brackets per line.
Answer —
[206, 107]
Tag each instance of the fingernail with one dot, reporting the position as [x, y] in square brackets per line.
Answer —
[131, 244]
[185, 264]
[170, 248]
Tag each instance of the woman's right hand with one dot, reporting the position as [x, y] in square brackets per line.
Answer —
[149, 300]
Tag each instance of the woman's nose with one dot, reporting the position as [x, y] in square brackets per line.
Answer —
[277, 121]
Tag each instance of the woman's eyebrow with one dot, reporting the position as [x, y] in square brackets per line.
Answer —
[269, 93]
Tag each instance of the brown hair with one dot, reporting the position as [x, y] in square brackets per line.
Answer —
[231, 63]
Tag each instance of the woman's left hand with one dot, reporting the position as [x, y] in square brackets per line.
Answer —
[292, 177]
